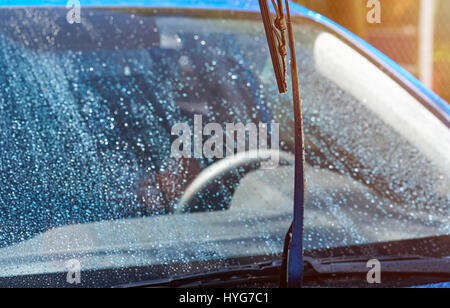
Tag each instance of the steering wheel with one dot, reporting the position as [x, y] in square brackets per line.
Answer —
[225, 166]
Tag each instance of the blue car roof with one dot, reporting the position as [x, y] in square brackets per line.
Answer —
[435, 102]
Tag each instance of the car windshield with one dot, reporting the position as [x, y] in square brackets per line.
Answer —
[113, 131]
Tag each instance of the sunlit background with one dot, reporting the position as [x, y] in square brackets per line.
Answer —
[409, 30]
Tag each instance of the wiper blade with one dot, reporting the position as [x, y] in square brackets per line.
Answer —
[266, 271]
[405, 264]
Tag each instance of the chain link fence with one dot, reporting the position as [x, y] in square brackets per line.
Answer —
[414, 33]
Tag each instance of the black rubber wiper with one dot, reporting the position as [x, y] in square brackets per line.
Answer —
[403, 264]
[313, 268]
[260, 272]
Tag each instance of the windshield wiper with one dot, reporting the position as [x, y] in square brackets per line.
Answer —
[403, 264]
[314, 268]
[266, 271]
[275, 32]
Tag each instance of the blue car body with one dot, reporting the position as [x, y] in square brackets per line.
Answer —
[430, 99]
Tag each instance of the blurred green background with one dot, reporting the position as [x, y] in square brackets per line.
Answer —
[414, 33]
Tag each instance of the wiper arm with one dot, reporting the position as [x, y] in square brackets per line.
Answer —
[405, 264]
[275, 32]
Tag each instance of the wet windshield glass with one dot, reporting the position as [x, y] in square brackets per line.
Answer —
[108, 153]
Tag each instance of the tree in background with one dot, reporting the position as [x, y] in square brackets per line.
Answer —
[442, 53]
[349, 13]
